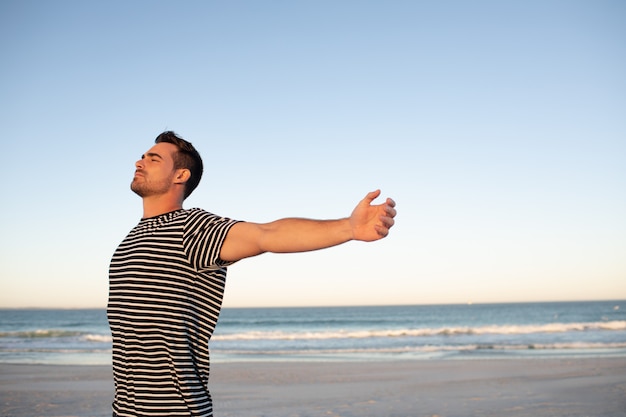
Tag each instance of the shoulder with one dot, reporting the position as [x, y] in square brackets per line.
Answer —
[198, 213]
[199, 218]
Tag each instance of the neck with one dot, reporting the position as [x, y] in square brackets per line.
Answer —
[155, 206]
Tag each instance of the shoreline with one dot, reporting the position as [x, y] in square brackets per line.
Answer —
[462, 387]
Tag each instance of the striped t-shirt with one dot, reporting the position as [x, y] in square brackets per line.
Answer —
[166, 283]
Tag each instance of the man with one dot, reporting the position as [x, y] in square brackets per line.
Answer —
[167, 278]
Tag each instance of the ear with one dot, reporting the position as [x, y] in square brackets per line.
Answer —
[182, 176]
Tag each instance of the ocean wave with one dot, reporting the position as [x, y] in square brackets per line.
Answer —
[51, 350]
[55, 333]
[426, 332]
[40, 333]
[430, 349]
[98, 338]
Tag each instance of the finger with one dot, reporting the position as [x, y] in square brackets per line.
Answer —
[387, 222]
[382, 231]
[371, 196]
[391, 212]
[390, 202]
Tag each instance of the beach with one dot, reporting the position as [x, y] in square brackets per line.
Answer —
[531, 387]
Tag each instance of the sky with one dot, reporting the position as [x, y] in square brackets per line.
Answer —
[498, 127]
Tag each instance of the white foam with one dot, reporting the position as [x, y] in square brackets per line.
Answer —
[98, 338]
[442, 331]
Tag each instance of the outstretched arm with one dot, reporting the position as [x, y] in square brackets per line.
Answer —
[366, 223]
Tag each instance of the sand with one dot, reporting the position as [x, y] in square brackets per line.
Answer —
[590, 387]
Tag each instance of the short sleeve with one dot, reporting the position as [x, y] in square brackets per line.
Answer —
[203, 236]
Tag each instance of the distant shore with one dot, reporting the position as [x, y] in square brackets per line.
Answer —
[512, 387]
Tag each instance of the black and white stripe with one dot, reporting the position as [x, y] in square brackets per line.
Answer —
[166, 284]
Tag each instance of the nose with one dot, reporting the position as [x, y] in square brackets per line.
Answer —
[139, 164]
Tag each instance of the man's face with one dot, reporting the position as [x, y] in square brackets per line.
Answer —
[154, 172]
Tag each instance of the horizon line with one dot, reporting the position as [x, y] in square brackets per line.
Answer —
[352, 305]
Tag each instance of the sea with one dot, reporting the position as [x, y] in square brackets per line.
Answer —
[409, 332]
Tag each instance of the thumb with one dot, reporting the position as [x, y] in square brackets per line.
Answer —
[371, 196]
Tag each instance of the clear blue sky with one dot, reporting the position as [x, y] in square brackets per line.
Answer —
[498, 127]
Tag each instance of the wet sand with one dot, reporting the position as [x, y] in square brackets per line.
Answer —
[444, 388]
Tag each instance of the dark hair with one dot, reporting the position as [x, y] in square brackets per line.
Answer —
[187, 157]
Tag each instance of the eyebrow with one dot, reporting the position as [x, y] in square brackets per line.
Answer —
[151, 155]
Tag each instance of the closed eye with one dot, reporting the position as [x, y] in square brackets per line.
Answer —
[155, 157]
